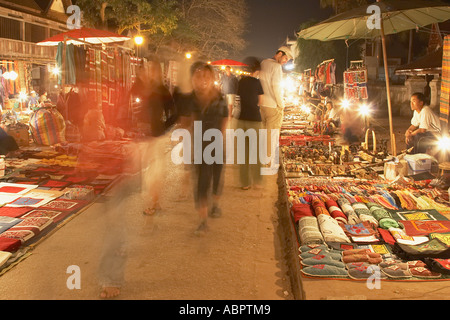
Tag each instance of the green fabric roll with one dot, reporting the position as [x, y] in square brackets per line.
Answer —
[387, 223]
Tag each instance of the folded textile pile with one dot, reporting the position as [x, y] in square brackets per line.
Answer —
[309, 232]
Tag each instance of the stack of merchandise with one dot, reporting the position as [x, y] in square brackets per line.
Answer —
[351, 228]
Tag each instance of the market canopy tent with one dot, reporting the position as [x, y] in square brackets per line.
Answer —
[228, 62]
[92, 36]
[377, 20]
[397, 16]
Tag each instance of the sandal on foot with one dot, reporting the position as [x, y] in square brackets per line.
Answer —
[215, 212]
[149, 212]
[201, 229]
[109, 292]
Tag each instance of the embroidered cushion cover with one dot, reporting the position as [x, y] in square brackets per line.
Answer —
[430, 249]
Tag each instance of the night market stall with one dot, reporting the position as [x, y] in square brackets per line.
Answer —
[56, 173]
[357, 211]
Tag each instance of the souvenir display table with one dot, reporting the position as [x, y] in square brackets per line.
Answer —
[43, 187]
[351, 223]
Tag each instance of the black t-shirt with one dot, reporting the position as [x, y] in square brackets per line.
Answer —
[249, 89]
[212, 117]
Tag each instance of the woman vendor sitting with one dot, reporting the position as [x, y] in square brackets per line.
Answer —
[331, 119]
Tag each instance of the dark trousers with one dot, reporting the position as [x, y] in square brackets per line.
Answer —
[421, 142]
[207, 176]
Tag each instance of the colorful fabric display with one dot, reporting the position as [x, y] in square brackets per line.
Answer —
[319, 207]
[22, 235]
[14, 212]
[444, 237]
[331, 230]
[348, 210]
[7, 223]
[4, 256]
[438, 265]
[363, 213]
[400, 236]
[34, 224]
[420, 227]
[9, 244]
[361, 232]
[430, 249]
[335, 211]
[79, 192]
[309, 232]
[55, 216]
[300, 210]
[15, 188]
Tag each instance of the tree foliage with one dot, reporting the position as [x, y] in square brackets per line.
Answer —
[211, 28]
[148, 16]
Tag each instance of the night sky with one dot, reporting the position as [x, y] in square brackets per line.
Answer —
[272, 21]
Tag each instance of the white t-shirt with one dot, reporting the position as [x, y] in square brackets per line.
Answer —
[427, 120]
[334, 115]
[271, 75]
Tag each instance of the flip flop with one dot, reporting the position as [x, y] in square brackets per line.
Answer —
[109, 292]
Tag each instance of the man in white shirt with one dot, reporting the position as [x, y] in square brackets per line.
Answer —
[272, 104]
[425, 124]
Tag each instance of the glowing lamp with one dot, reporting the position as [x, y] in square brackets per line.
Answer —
[138, 100]
[139, 40]
[188, 55]
[364, 110]
[345, 104]
[13, 76]
[55, 71]
[444, 143]
[22, 96]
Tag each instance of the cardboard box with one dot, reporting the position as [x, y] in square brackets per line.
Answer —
[417, 164]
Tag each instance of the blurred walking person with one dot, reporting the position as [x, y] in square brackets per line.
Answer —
[229, 85]
[207, 106]
[156, 115]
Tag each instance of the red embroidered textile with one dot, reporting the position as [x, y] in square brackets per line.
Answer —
[300, 210]
[14, 212]
[424, 227]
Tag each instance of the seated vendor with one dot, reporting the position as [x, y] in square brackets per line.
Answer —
[332, 118]
[425, 125]
[33, 101]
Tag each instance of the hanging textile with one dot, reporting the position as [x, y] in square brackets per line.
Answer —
[445, 86]
[69, 63]
[355, 83]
